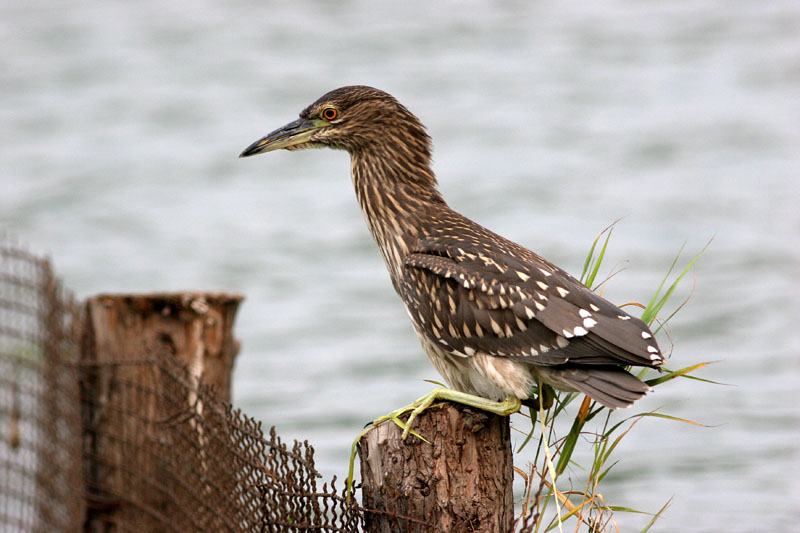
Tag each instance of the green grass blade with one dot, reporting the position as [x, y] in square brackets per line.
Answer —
[621, 509]
[569, 445]
[606, 471]
[533, 430]
[563, 400]
[656, 516]
[589, 257]
[590, 280]
[670, 375]
[673, 418]
[587, 265]
[657, 303]
[649, 314]
[704, 380]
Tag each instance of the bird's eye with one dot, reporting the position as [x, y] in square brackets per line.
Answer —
[329, 113]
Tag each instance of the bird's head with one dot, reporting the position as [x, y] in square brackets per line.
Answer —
[350, 118]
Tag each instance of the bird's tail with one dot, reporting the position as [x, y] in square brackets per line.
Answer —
[611, 386]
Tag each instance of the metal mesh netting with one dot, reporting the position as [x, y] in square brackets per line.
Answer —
[41, 483]
[136, 445]
[196, 465]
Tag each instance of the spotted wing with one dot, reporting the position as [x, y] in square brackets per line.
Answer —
[521, 307]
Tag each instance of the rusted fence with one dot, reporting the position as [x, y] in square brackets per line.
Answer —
[86, 444]
[41, 480]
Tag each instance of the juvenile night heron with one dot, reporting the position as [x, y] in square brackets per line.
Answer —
[495, 319]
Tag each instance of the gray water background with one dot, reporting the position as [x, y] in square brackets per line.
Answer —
[121, 122]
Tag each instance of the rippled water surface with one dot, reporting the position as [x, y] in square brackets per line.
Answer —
[121, 123]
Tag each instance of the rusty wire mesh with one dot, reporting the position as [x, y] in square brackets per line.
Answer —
[135, 445]
[41, 481]
[190, 463]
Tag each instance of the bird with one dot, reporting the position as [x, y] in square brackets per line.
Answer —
[496, 320]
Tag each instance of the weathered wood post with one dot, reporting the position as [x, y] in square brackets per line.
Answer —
[122, 334]
[461, 481]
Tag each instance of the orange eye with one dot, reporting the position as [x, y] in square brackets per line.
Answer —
[330, 113]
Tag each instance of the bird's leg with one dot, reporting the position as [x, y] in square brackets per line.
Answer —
[505, 408]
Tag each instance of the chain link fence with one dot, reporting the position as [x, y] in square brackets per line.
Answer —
[175, 458]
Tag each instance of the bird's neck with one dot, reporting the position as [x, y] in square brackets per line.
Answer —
[396, 195]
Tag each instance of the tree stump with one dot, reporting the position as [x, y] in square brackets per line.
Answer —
[129, 396]
[461, 481]
[196, 328]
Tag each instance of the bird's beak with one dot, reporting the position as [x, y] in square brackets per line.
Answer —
[292, 134]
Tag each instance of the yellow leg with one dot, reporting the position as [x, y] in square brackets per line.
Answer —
[505, 408]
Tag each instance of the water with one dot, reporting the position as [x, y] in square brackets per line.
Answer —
[121, 123]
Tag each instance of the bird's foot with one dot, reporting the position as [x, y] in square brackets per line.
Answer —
[504, 408]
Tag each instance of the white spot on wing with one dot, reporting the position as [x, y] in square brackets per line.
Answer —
[567, 333]
[542, 285]
[562, 291]
[562, 342]
[584, 313]
[594, 308]
[545, 272]
[523, 276]
[579, 331]
[623, 317]
[646, 335]
[589, 322]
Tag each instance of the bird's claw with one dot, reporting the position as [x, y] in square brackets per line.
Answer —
[416, 408]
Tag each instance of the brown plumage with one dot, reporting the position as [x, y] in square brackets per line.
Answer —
[493, 317]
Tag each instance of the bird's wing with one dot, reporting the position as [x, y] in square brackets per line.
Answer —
[518, 307]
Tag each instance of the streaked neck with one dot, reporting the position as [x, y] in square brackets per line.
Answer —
[395, 195]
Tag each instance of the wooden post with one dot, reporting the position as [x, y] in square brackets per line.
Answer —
[122, 388]
[461, 481]
[197, 328]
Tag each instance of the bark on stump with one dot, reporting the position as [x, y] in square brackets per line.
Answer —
[121, 386]
[462, 481]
